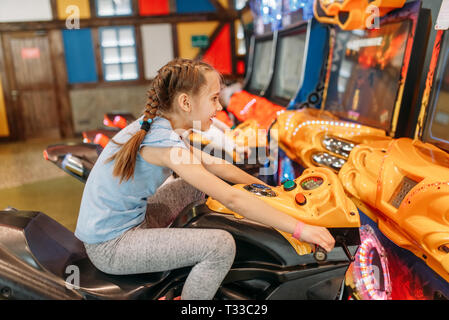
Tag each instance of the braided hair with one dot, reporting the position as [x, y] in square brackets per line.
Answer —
[179, 75]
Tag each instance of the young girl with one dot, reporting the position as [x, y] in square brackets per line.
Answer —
[143, 155]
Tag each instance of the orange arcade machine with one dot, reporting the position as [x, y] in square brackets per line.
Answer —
[369, 91]
[403, 191]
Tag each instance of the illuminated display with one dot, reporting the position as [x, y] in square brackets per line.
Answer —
[311, 183]
[365, 81]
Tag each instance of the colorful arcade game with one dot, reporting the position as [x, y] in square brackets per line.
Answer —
[402, 191]
[369, 91]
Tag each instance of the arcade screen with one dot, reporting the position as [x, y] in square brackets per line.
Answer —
[365, 74]
[289, 66]
[260, 75]
[437, 126]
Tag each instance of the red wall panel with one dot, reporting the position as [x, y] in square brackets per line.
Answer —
[153, 7]
[219, 52]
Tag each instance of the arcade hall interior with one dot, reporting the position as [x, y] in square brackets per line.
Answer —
[341, 108]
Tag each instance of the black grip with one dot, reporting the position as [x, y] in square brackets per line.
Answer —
[320, 254]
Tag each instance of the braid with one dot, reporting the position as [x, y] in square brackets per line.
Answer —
[152, 106]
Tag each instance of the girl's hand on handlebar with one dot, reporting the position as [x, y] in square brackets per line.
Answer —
[318, 235]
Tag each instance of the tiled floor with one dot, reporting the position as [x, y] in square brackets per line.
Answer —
[29, 182]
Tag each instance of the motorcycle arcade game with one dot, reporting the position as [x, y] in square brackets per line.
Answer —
[386, 266]
[403, 190]
[369, 91]
[78, 159]
[39, 258]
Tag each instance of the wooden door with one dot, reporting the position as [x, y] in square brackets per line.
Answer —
[32, 83]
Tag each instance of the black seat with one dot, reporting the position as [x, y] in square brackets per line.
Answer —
[55, 248]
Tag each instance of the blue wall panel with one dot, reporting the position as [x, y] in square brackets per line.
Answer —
[79, 56]
[193, 6]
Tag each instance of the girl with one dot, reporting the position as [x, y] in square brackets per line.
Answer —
[143, 155]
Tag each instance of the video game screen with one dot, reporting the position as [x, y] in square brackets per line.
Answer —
[366, 72]
[437, 123]
[290, 63]
[260, 76]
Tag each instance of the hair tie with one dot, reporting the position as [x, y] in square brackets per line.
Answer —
[145, 125]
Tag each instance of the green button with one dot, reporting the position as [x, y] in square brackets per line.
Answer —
[289, 185]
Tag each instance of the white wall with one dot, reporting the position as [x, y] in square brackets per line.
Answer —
[157, 45]
[25, 10]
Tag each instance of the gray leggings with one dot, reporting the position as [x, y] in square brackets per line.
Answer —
[150, 247]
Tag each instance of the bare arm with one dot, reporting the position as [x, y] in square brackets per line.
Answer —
[193, 172]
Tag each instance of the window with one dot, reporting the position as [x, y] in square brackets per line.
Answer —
[118, 51]
[106, 8]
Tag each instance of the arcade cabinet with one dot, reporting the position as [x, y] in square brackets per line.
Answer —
[402, 192]
[369, 92]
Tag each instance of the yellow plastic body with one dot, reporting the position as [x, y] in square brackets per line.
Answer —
[288, 121]
[358, 14]
[326, 206]
[301, 134]
[376, 175]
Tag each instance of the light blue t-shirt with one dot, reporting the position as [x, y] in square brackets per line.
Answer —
[109, 208]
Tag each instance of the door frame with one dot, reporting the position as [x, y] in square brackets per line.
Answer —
[13, 109]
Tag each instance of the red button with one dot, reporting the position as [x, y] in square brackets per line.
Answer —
[300, 199]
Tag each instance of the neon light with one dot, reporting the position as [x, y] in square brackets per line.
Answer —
[364, 268]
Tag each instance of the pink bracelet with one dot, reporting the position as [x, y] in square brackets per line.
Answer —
[298, 230]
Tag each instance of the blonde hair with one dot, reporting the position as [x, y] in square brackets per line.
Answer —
[179, 75]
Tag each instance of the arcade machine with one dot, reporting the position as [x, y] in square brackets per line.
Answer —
[78, 159]
[114, 121]
[402, 192]
[252, 102]
[260, 112]
[266, 94]
[297, 83]
[269, 264]
[370, 90]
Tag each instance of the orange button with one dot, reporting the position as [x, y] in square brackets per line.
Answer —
[300, 199]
